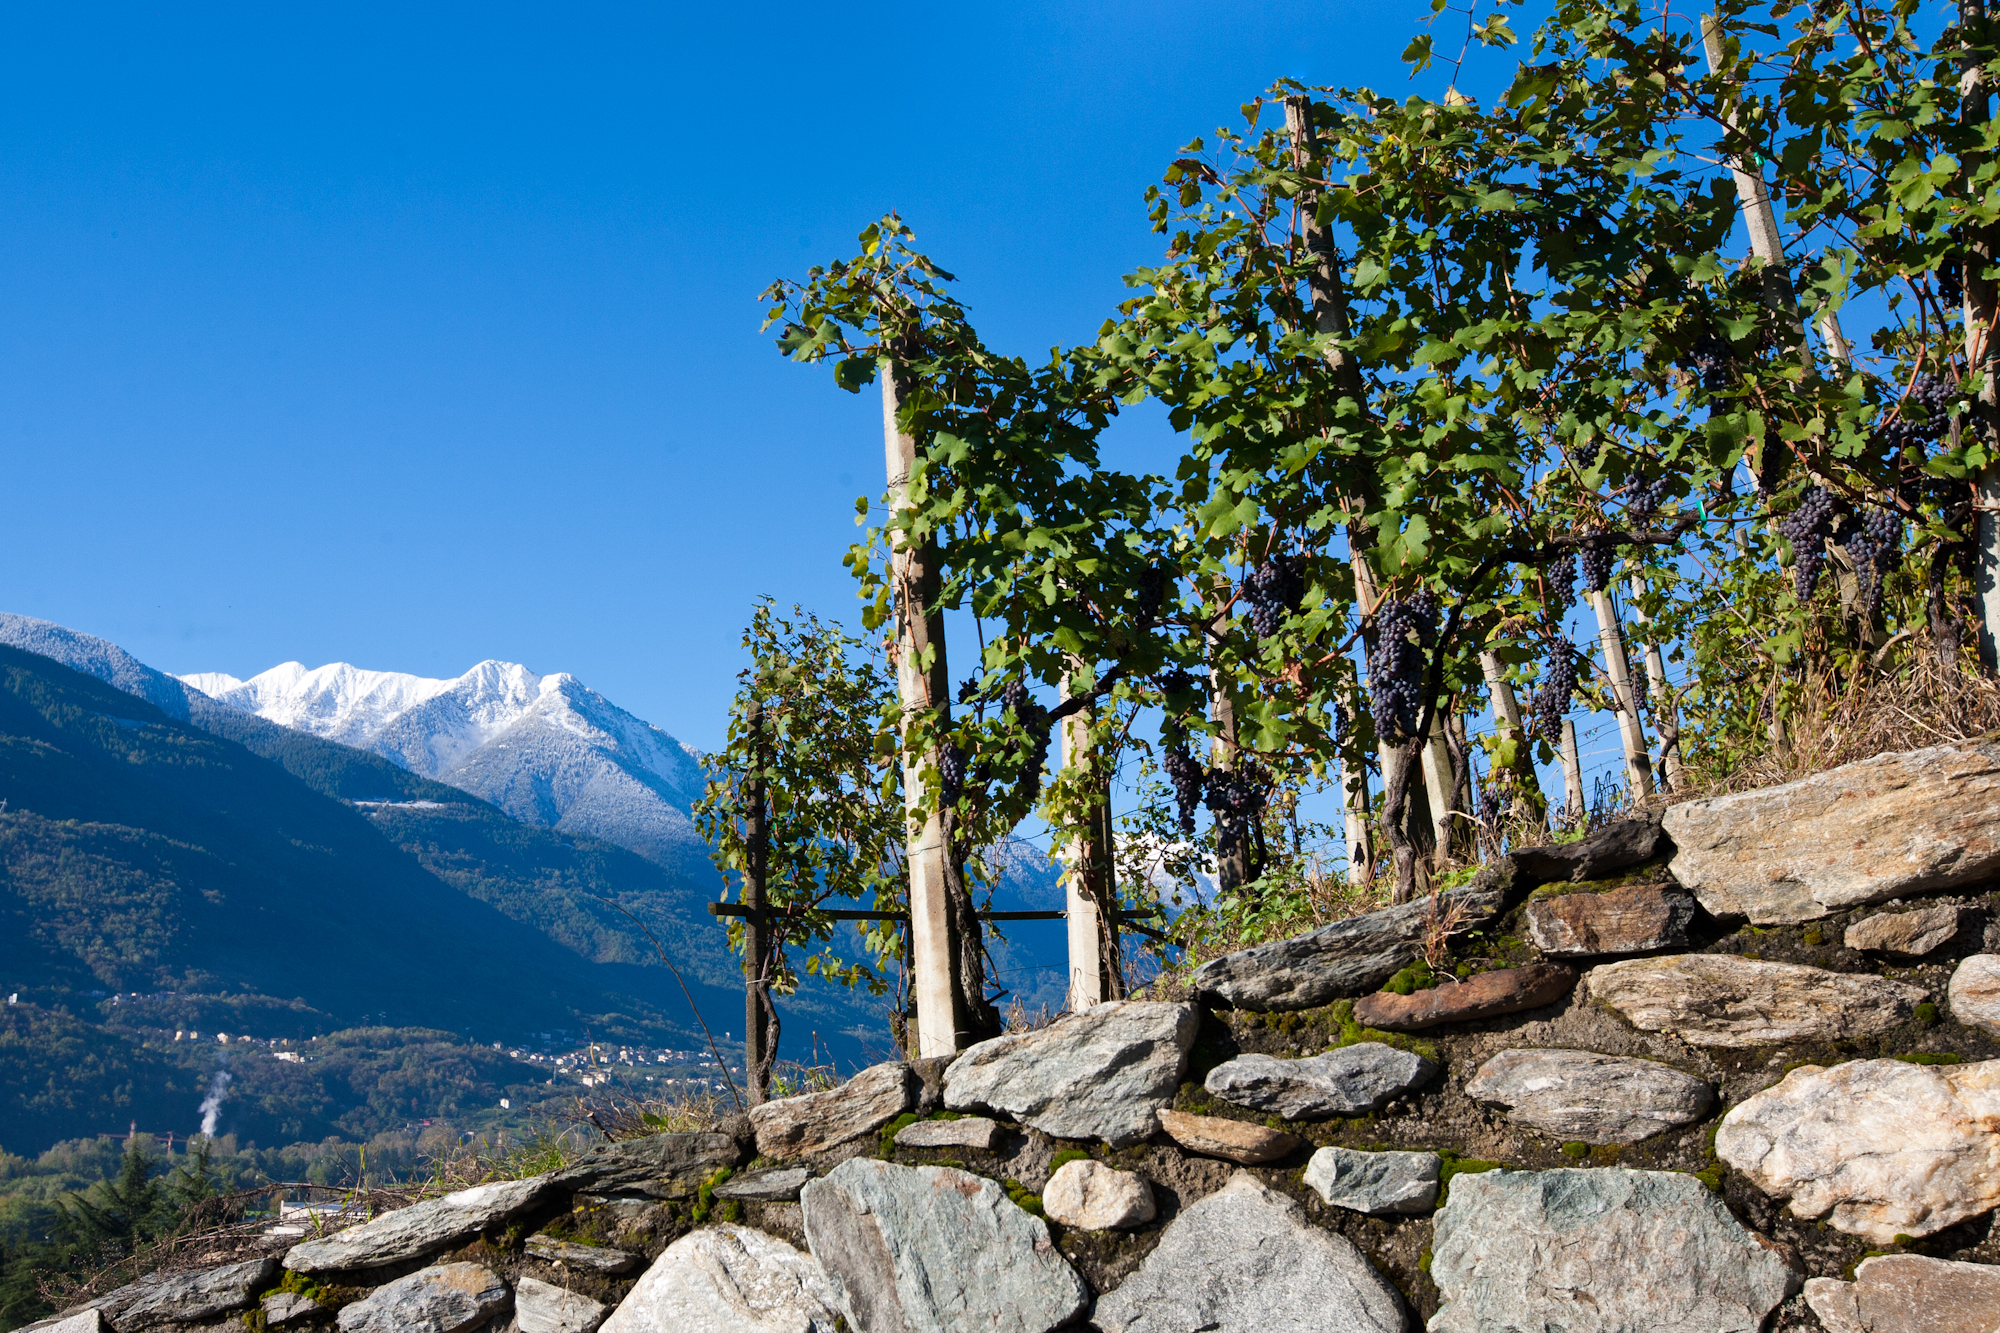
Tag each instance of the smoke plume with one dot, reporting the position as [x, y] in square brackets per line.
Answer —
[211, 1105]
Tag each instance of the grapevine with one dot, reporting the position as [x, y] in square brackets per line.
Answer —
[1552, 695]
[1272, 589]
[1805, 528]
[1404, 631]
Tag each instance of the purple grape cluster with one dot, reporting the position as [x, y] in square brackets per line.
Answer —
[1641, 685]
[1178, 682]
[1152, 591]
[1875, 545]
[1272, 590]
[1708, 361]
[1489, 801]
[1596, 559]
[1033, 718]
[1553, 693]
[1188, 779]
[951, 772]
[1806, 528]
[1558, 585]
[1404, 632]
[1951, 282]
[968, 691]
[1643, 500]
[1234, 797]
[1925, 415]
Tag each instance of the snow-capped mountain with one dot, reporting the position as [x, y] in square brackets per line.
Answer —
[546, 749]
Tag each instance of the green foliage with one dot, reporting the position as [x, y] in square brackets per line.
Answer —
[1066, 1156]
[1417, 976]
[1926, 1012]
[1031, 1203]
[1353, 1033]
[1930, 1058]
[1576, 1151]
[812, 723]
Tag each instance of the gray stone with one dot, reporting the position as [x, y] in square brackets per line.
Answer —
[1974, 993]
[1375, 1182]
[446, 1298]
[1245, 1260]
[189, 1298]
[1638, 918]
[660, 1166]
[728, 1279]
[112, 1304]
[1722, 1000]
[422, 1229]
[780, 1184]
[1909, 1293]
[1922, 821]
[1232, 1140]
[588, 1258]
[1350, 957]
[1597, 1099]
[1091, 1196]
[1598, 1250]
[930, 1249]
[284, 1307]
[1351, 1080]
[543, 1307]
[1100, 1074]
[797, 1126]
[89, 1320]
[1631, 840]
[1911, 934]
[972, 1131]
[1879, 1148]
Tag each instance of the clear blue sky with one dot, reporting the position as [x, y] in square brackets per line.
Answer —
[416, 335]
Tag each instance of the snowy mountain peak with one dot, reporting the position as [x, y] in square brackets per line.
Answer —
[546, 748]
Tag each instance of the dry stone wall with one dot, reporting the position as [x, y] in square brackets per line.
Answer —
[1731, 1066]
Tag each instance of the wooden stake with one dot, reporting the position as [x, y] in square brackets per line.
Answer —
[1638, 764]
[757, 951]
[1572, 776]
[922, 683]
[1666, 719]
[1089, 884]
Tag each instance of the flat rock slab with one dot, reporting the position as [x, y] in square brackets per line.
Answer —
[1592, 1098]
[1488, 995]
[446, 1298]
[971, 1131]
[543, 1307]
[1100, 1074]
[1721, 1000]
[1375, 1182]
[660, 1166]
[422, 1229]
[190, 1298]
[728, 1279]
[1351, 1080]
[1599, 1250]
[1908, 1293]
[778, 1184]
[931, 1249]
[1245, 1260]
[588, 1258]
[1231, 1140]
[1877, 1147]
[797, 1126]
[1922, 821]
[1974, 993]
[1091, 1196]
[1638, 918]
[89, 1321]
[1350, 957]
[1910, 934]
[284, 1307]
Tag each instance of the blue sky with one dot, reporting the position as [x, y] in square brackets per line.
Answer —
[414, 336]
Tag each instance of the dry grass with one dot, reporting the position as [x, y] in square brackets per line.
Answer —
[1907, 699]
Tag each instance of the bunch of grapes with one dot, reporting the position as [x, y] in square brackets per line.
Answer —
[1805, 528]
[1014, 698]
[1552, 695]
[1031, 775]
[1152, 591]
[1708, 361]
[1188, 779]
[1875, 545]
[1641, 685]
[1404, 632]
[1235, 797]
[969, 690]
[1489, 801]
[1643, 499]
[1558, 585]
[1033, 718]
[1596, 561]
[1951, 282]
[951, 772]
[1272, 589]
[1925, 414]
[1178, 682]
